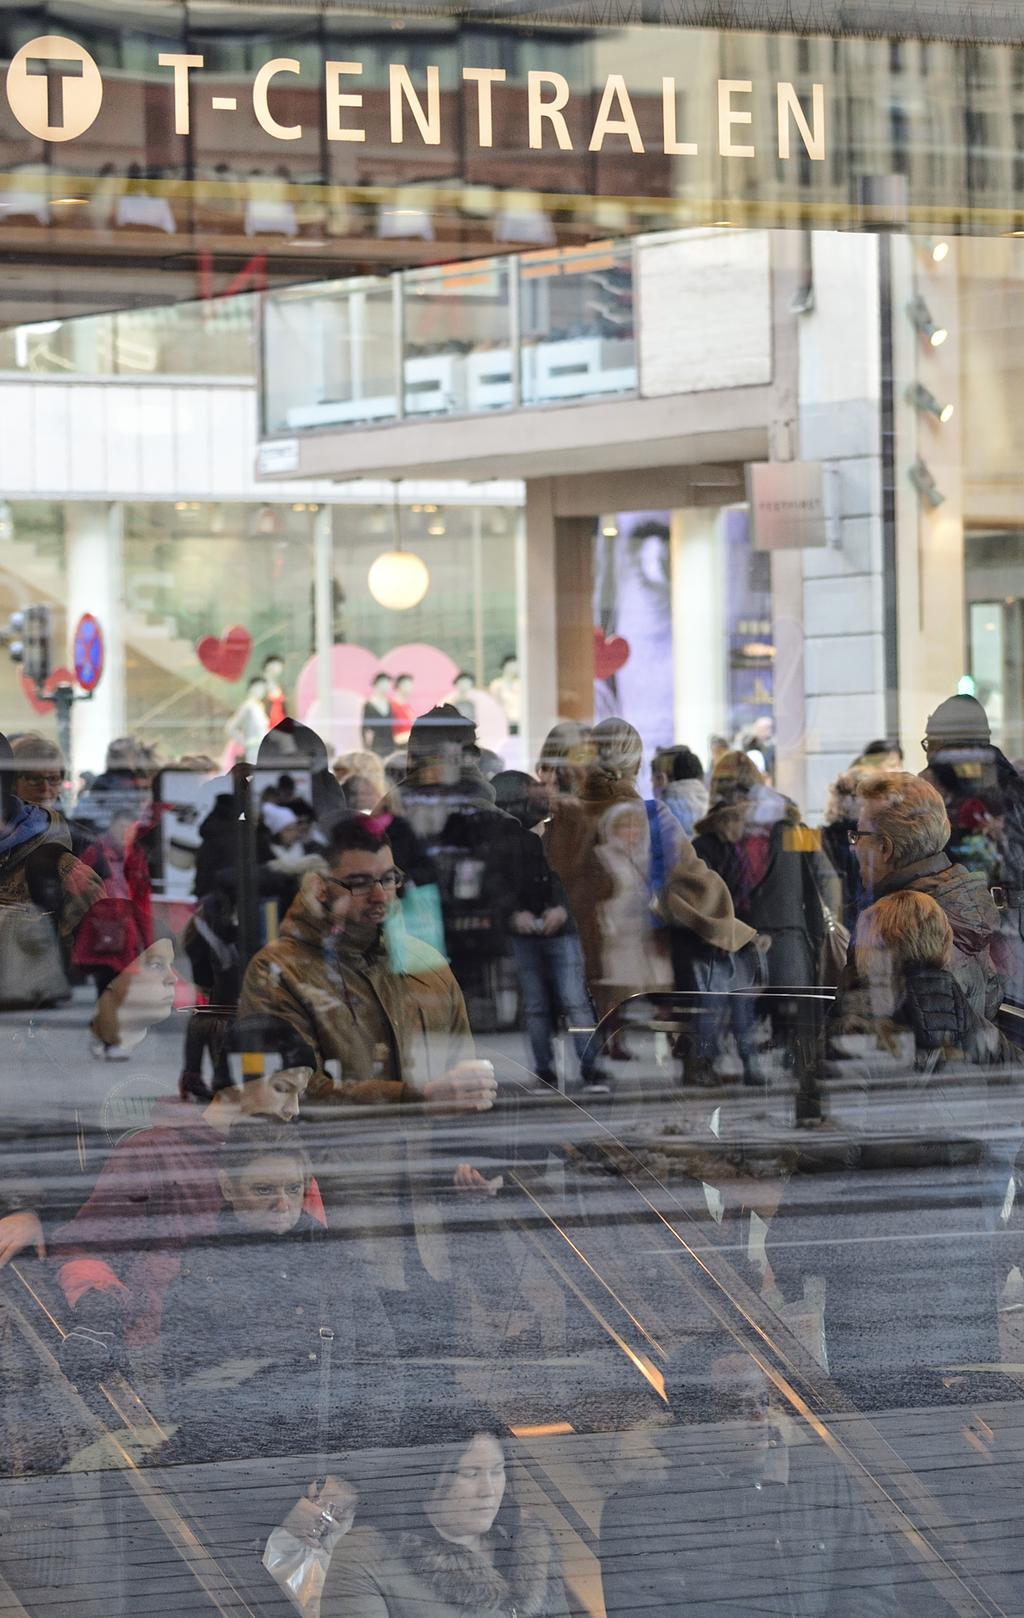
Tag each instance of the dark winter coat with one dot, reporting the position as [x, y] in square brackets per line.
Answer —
[244, 1348]
[842, 856]
[534, 886]
[935, 1009]
[452, 833]
[785, 904]
[421, 1575]
[707, 1542]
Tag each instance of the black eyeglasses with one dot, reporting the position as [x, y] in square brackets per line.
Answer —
[855, 836]
[357, 885]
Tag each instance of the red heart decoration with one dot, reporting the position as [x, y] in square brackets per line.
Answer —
[611, 653]
[59, 676]
[228, 656]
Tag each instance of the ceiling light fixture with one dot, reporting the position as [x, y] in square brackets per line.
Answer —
[398, 579]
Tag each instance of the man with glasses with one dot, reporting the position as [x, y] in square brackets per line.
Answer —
[381, 1034]
[39, 770]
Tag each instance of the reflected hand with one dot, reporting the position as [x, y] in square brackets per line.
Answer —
[324, 1515]
[467, 1087]
[18, 1231]
[93, 1348]
[522, 922]
[554, 920]
[467, 1178]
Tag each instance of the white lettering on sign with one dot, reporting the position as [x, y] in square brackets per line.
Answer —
[181, 66]
[484, 78]
[337, 99]
[402, 90]
[550, 111]
[55, 90]
[616, 94]
[813, 136]
[673, 147]
[261, 105]
[728, 115]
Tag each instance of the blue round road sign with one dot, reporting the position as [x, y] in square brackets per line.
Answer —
[88, 652]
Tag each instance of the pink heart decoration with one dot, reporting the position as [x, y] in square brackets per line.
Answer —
[354, 668]
[352, 673]
[61, 676]
[611, 653]
[228, 656]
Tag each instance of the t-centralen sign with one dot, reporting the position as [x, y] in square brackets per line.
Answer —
[55, 90]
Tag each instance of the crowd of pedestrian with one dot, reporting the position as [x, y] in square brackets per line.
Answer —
[221, 1258]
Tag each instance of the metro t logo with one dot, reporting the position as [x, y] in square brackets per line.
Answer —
[54, 88]
[56, 70]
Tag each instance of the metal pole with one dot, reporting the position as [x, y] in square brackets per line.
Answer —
[247, 902]
[515, 335]
[63, 702]
[478, 597]
[398, 340]
[323, 621]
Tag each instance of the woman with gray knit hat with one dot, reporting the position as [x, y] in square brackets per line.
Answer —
[984, 798]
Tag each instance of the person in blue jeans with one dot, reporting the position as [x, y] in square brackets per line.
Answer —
[543, 936]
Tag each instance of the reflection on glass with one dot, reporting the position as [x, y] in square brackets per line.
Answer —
[512, 921]
[458, 339]
[577, 323]
[328, 357]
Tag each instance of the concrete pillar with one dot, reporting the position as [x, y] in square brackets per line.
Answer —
[837, 632]
[536, 614]
[323, 615]
[698, 618]
[94, 548]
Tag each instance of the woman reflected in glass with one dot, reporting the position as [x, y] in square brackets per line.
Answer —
[454, 1543]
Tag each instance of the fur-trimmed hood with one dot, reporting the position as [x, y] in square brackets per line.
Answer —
[418, 1572]
[467, 1580]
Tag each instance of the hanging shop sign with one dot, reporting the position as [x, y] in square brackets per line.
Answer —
[793, 504]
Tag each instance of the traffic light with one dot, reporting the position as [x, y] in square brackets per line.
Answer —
[13, 636]
[36, 662]
[28, 642]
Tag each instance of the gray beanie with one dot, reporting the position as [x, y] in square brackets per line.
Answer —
[958, 719]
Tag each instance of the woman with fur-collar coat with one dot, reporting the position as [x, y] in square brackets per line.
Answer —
[464, 1551]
